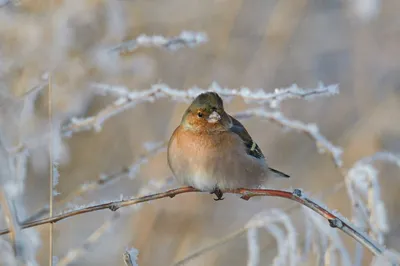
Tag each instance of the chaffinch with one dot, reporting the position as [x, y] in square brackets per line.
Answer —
[212, 151]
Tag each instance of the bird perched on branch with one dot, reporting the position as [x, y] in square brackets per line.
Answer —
[212, 151]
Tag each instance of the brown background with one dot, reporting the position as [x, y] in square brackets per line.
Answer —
[255, 43]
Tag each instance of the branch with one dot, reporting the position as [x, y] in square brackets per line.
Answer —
[334, 245]
[324, 145]
[365, 194]
[256, 96]
[334, 219]
[130, 257]
[382, 156]
[128, 99]
[186, 38]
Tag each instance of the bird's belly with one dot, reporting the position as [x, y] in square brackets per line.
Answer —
[195, 171]
[207, 168]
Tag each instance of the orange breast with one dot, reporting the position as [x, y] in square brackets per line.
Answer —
[190, 151]
[205, 160]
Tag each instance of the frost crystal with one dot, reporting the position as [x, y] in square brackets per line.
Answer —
[130, 257]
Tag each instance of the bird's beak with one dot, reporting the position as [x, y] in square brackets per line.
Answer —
[213, 117]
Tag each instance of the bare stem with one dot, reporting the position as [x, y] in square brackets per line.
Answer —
[51, 181]
[334, 220]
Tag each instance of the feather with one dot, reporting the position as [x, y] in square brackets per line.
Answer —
[251, 147]
[278, 173]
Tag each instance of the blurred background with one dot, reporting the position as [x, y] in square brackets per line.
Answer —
[255, 43]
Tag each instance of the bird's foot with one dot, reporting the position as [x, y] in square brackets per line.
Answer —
[217, 193]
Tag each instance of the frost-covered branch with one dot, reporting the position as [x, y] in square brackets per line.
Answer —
[368, 207]
[364, 191]
[128, 99]
[130, 257]
[287, 243]
[185, 39]
[250, 96]
[253, 247]
[387, 258]
[323, 144]
[381, 156]
[334, 219]
[331, 238]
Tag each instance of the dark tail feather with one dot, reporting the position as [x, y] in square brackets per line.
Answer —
[279, 173]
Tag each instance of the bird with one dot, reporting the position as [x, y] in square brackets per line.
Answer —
[212, 151]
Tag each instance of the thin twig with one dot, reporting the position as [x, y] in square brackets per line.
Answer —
[51, 177]
[51, 159]
[334, 219]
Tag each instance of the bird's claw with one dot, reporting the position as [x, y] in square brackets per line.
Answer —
[218, 193]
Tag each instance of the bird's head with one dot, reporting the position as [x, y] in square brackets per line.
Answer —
[206, 114]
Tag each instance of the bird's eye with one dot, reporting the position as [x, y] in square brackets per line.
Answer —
[200, 114]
